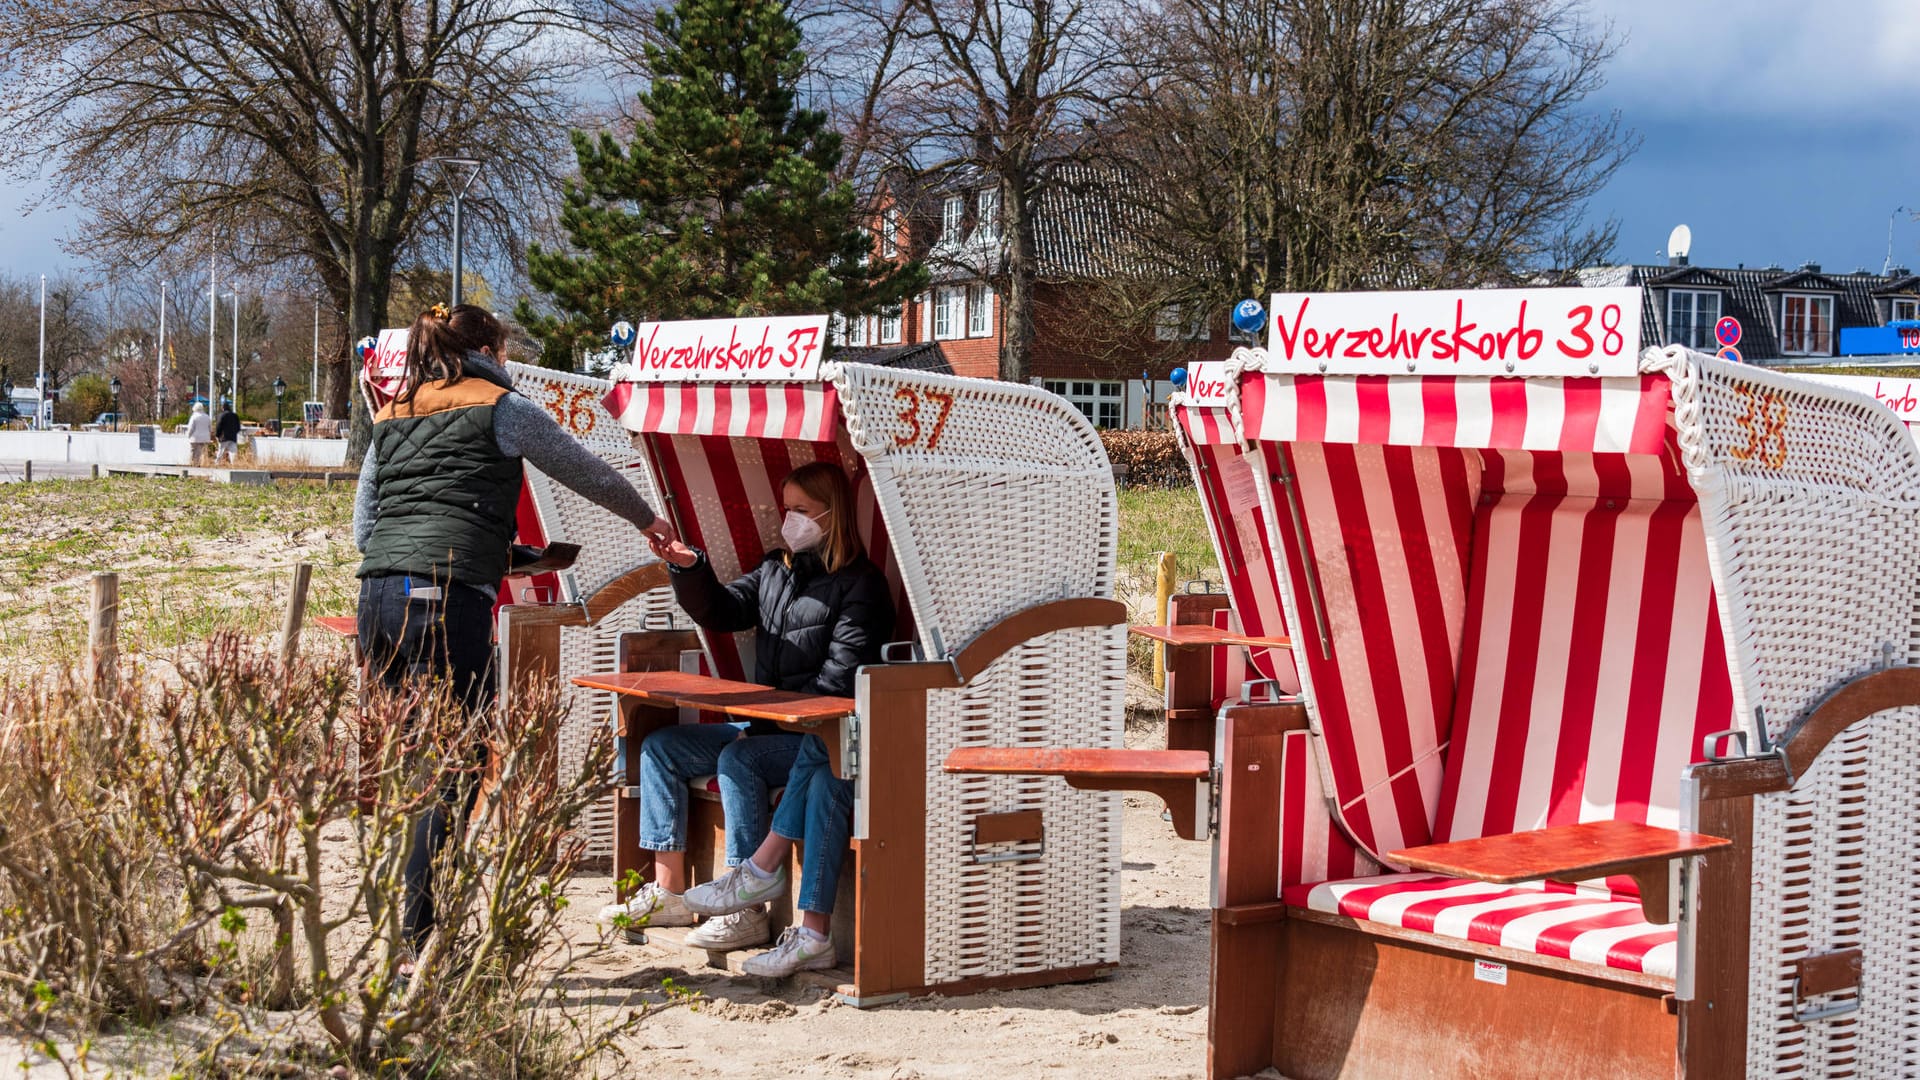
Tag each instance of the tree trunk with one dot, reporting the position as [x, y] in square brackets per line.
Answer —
[1016, 340]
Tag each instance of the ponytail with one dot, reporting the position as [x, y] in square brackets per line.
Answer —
[439, 341]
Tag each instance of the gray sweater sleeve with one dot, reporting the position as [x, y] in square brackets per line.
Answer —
[525, 430]
[366, 500]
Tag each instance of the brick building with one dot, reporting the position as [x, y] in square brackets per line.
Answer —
[1114, 373]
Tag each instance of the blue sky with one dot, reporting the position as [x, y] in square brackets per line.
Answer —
[1780, 131]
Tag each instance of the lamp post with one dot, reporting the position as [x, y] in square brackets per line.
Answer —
[279, 395]
[233, 384]
[460, 173]
[6, 391]
[160, 358]
[40, 414]
[113, 387]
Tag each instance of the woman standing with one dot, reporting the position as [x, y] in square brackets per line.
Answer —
[434, 520]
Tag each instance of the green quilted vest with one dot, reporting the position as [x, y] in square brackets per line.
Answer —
[448, 494]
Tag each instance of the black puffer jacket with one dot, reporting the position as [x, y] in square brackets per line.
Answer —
[812, 628]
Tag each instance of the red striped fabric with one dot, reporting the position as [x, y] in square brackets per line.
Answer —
[1593, 662]
[725, 496]
[1384, 548]
[795, 412]
[1538, 918]
[1626, 416]
[1312, 845]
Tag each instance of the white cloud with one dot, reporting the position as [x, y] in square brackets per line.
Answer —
[1765, 57]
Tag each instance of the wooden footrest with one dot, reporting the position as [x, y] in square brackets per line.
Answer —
[1179, 777]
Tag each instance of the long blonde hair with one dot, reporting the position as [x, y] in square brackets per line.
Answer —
[827, 484]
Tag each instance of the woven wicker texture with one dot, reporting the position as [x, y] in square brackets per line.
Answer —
[609, 547]
[999, 497]
[1811, 497]
[1833, 869]
[1060, 906]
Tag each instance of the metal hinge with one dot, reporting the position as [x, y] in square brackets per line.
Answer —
[850, 747]
[1213, 799]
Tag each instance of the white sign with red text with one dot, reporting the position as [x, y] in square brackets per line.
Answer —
[385, 368]
[1207, 385]
[784, 348]
[1900, 395]
[1495, 332]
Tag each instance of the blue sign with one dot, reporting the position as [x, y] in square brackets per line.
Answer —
[367, 345]
[1249, 317]
[623, 333]
[1178, 377]
[1893, 339]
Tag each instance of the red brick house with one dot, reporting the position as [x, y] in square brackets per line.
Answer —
[1113, 372]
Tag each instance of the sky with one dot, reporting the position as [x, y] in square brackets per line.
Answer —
[1779, 131]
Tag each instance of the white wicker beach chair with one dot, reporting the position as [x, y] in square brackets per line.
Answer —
[1600, 763]
[991, 508]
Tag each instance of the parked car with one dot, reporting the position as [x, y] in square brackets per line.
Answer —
[109, 420]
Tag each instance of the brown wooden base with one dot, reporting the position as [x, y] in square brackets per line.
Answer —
[1352, 1004]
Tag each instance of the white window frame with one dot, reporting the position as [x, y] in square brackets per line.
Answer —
[979, 310]
[857, 332]
[1807, 344]
[925, 303]
[952, 214]
[889, 233]
[1701, 339]
[1102, 401]
[1172, 324]
[837, 329]
[1903, 309]
[890, 327]
[949, 312]
[987, 215]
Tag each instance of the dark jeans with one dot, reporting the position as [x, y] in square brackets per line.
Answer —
[405, 636]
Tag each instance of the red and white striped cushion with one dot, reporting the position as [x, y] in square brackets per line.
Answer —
[1543, 919]
[1312, 847]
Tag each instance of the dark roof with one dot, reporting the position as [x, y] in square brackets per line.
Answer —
[1751, 295]
[924, 356]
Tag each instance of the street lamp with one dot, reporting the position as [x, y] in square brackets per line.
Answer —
[460, 173]
[114, 388]
[279, 395]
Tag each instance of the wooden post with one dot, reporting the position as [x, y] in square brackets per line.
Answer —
[296, 614]
[103, 635]
[28, 472]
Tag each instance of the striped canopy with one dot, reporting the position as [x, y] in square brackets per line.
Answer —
[1498, 591]
[720, 452]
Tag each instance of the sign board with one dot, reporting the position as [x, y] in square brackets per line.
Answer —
[146, 438]
[784, 348]
[1727, 331]
[1207, 385]
[1900, 395]
[385, 369]
[1517, 332]
[313, 411]
[1892, 339]
[1731, 355]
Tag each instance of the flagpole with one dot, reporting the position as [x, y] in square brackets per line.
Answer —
[40, 403]
[160, 359]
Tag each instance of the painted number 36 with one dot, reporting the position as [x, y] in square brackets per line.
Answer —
[573, 411]
[910, 415]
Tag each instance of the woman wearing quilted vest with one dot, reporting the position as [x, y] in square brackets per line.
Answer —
[819, 609]
[434, 521]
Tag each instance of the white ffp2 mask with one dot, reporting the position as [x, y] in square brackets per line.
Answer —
[801, 532]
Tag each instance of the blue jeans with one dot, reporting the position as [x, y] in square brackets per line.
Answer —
[817, 810]
[746, 768]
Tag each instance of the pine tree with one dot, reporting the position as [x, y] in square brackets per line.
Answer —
[724, 205]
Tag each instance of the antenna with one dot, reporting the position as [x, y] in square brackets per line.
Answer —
[1679, 243]
[1888, 265]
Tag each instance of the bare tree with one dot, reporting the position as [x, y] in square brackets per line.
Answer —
[289, 136]
[1012, 89]
[1351, 144]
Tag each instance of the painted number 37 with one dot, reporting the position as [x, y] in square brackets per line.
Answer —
[910, 415]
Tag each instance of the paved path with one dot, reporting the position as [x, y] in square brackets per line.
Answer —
[12, 472]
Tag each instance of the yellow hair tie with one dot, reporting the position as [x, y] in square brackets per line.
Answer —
[439, 311]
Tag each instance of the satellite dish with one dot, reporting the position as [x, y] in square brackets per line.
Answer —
[1679, 242]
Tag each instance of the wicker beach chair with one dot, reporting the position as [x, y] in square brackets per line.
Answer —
[1599, 766]
[991, 509]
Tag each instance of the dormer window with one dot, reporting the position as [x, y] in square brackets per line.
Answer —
[988, 217]
[890, 233]
[1691, 315]
[1806, 325]
[1903, 309]
[951, 213]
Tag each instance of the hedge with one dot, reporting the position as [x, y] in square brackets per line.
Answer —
[1150, 458]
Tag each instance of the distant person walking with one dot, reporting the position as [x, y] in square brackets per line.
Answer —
[227, 433]
[199, 433]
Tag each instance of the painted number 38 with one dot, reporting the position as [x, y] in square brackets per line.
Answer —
[910, 415]
[573, 411]
[1765, 424]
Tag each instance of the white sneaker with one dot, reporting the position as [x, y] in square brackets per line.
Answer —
[738, 889]
[650, 906]
[741, 930]
[795, 952]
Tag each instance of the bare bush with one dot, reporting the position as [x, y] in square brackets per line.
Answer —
[241, 835]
